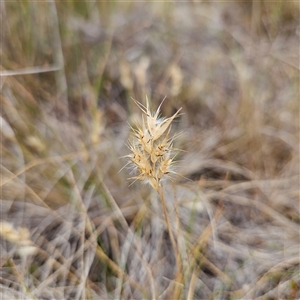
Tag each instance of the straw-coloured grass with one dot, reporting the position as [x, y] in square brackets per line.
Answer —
[72, 227]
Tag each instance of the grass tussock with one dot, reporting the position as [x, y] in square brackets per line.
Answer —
[73, 227]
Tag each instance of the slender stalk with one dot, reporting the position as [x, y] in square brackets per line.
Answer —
[178, 277]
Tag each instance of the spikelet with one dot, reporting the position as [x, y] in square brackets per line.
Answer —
[152, 148]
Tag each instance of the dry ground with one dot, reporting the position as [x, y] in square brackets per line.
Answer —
[72, 226]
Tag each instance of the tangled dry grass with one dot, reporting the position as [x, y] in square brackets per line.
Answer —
[72, 227]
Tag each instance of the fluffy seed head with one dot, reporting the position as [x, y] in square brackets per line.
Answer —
[152, 147]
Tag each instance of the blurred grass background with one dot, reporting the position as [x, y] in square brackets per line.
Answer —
[68, 72]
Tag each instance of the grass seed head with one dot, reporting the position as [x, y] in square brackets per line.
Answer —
[152, 148]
